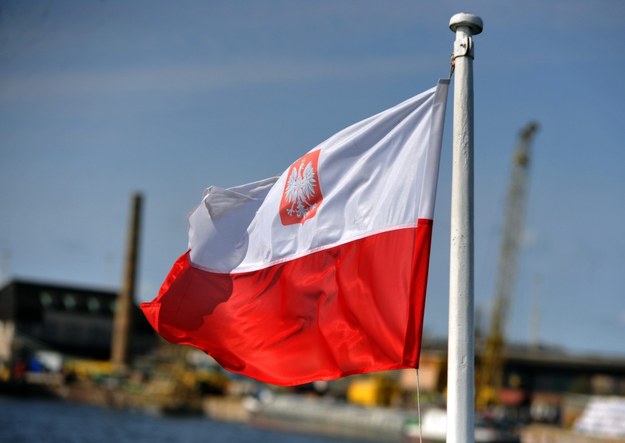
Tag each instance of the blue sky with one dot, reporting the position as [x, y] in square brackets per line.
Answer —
[99, 99]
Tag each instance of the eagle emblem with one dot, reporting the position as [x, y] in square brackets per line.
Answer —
[302, 195]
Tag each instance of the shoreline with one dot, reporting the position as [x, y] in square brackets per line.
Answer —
[299, 414]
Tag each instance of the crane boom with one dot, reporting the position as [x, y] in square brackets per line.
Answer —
[490, 379]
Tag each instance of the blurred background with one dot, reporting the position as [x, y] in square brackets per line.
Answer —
[103, 99]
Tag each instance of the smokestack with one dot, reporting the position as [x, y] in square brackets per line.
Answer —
[122, 325]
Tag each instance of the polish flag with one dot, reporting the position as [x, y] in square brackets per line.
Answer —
[319, 273]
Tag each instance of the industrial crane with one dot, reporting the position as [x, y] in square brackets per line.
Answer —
[490, 375]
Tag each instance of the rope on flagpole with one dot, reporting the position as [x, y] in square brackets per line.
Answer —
[419, 409]
[462, 48]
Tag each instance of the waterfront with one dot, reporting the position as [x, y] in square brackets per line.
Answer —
[54, 421]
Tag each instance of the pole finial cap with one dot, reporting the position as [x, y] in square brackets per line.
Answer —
[471, 21]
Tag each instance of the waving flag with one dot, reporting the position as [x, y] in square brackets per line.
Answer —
[321, 272]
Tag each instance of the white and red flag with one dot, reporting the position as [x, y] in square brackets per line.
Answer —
[321, 272]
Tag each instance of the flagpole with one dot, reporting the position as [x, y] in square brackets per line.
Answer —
[461, 346]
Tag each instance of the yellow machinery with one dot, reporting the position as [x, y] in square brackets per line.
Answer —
[373, 390]
[490, 374]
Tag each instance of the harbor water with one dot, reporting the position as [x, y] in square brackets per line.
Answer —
[53, 421]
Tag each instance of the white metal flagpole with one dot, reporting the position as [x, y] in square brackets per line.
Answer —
[461, 347]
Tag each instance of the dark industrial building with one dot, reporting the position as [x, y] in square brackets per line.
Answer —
[74, 321]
